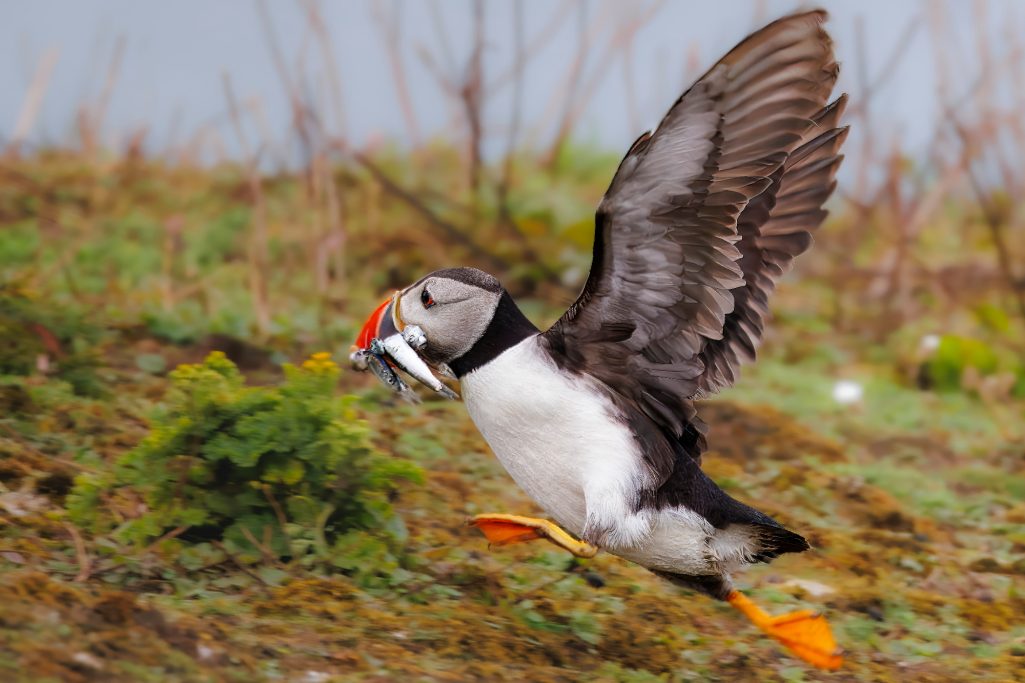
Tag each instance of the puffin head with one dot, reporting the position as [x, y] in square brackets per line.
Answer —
[452, 307]
[434, 322]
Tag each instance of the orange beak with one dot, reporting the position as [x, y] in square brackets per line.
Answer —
[381, 323]
[382, 347]
[371, 326]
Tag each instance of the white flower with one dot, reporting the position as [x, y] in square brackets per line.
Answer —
[929, 343]
[846, 392]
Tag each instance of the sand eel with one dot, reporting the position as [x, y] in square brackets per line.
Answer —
[594, 418]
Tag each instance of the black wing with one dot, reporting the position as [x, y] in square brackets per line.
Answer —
[666, 310]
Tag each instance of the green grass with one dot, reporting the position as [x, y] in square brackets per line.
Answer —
[913, 498]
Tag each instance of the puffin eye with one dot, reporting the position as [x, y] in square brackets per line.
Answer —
[426, 299]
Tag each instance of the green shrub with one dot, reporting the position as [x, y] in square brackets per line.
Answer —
[288, 470]
[954, 354]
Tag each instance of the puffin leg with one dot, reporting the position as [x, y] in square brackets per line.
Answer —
[508, 529]
[804, 632]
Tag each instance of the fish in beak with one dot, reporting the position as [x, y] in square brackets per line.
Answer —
[386, 344]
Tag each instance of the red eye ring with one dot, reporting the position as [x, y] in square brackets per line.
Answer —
[426, 299]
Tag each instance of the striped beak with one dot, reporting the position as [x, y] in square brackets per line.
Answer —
[380, 324]
[386, 343]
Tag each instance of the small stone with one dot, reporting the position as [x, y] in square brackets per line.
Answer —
[87, 660]
[316, 676]
[812, 588]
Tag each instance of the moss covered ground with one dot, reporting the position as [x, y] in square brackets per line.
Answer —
[914, 499]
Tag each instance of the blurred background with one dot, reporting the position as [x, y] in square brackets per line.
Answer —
[251, 177]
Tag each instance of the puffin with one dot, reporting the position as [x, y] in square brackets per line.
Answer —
[595, 417]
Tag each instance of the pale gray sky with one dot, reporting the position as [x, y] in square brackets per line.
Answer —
[176, 52]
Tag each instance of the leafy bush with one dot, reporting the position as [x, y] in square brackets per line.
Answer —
[284, 471]
[956, 354]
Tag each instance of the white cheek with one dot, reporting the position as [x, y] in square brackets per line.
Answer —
[453, 329]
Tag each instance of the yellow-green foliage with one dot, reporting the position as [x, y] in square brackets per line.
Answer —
[287, 470]
[955, 354]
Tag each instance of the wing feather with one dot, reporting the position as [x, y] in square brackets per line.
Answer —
[775, 228]
[670, 272]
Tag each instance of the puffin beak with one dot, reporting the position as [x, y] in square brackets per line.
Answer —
[384, 344]
[372, 327]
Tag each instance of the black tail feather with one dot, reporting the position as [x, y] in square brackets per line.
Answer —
[774, 540]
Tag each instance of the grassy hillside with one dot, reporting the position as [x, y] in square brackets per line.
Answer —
[119, 562]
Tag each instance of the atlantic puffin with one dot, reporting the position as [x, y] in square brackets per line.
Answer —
[595, 417]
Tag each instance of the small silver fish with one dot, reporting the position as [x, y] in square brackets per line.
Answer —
[358, 359]
[399, 350]
[414, 336]
[377, 364]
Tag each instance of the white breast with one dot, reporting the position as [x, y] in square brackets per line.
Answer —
[559, 440]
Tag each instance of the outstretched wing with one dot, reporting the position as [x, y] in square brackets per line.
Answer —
[775, 228]
[667, 274]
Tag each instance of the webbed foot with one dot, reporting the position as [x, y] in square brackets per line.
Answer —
[503, 529]
[804, 632]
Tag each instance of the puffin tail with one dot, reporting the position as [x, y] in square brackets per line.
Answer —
[748, 535]
[742, 543]
[772, 540]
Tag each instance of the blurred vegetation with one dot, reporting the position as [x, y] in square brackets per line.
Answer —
[240, 518]
[35, 332]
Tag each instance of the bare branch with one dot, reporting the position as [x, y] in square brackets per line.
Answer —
[324, 42]
[472, 92]
[257, 242]
[390, 28]
[113, 70]
[33, 100]
[84, 562]
[539, 41]
[448, 229]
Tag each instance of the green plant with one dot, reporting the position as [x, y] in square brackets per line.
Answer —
[954, 354]
[33, 332]
[283, 472]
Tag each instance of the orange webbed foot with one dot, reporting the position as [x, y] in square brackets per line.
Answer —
[804, 632]
[502, 529]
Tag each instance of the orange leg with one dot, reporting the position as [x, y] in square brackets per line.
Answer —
[508, 529]
[804, 632]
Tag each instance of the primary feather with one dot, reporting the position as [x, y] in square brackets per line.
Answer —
[701, 218]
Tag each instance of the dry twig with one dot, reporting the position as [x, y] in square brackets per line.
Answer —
[257, 242]
[33, 101]
[84, 562]
[448, 229]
